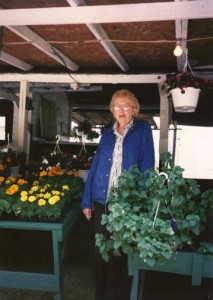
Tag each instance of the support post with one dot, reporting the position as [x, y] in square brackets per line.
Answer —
[164, 123]
[23, 116]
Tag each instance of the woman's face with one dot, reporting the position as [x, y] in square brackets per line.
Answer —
[123, 110]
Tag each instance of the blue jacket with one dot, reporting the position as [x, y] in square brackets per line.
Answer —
[138, 149]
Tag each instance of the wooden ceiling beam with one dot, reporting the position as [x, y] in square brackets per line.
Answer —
[11, 60]
[141, 12]
[34, 39]
[84, 78]
[103, 38]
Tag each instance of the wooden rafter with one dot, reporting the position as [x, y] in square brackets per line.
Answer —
[103, 38]
[34, 39]
[11, 60]
[141, 12]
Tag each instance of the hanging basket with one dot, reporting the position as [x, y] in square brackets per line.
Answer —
[187, 102]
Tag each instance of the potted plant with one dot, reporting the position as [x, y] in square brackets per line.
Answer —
[185, 89]
[156, 215]
[54, 159]
[81, 163]
[12, 162]
[84, 130]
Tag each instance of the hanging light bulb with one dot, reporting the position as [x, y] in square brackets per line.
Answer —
[178, 49]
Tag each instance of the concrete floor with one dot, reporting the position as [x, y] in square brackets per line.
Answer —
[78, 285]
[79, 271]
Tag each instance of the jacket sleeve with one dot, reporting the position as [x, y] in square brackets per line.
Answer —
[148, 157]
[86, 201]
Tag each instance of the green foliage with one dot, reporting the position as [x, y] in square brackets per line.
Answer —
[185, 79]
[145, 209]
[85, 129]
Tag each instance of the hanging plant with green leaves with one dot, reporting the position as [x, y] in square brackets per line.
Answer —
[156, 214]
[84, 129]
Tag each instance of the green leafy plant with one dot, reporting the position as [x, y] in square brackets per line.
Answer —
[155, 213]
[54, 159]
[183, 80]
[85, 129]
[81, 161]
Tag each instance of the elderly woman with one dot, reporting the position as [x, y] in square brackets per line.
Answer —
[128, 142]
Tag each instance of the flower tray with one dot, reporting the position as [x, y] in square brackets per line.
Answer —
[185, 263]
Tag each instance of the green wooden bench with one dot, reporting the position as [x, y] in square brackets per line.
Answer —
[186, 263]
[40, 281]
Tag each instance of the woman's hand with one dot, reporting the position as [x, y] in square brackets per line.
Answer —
[88, 213]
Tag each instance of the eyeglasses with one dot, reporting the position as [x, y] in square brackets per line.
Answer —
[125, 107]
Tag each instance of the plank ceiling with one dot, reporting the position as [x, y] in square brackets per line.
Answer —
[57, 44]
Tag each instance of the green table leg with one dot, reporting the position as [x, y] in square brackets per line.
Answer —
[57, 259]
[134, 290]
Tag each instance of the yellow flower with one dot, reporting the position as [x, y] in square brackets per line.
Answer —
[34, 188]
[41, 195]
[57, 198]
[24, 193]
[7, 181]
[41, 202]
[62, 194]
[12, 189]
[24, 198]
[65, 188]
[47, 196]
[32, 199]
[53, 200]
[35, 182]
[54, 192]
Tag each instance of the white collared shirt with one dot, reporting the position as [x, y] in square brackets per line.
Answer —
[117, 155]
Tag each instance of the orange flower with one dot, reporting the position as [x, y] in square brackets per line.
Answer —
[2, 179]
[12, 189]
[11, 178]
[43, 173]
[21, 181]
[2, 167]
[78, 173]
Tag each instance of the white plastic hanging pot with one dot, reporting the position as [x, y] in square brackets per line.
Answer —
[84, 174]
[187, 102]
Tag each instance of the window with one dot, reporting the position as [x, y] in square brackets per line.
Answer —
[6, 121]
[2, 128]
